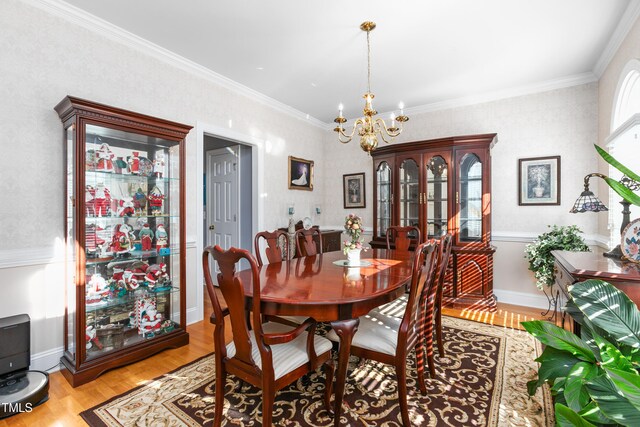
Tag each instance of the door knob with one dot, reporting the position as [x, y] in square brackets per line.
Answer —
[212, 227]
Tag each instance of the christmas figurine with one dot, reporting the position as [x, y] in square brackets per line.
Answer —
[150, 320]
[122, 240]
[139, 202]
[158, 164]
[93, 242]
[126, 207]
[134, 163]
[121, 166]
[97, 290]
[156, 275]
[129, 280]
[91, 338]
[162, 238]
[155, 200]
[98, 200]
[146, 237]
[105, 158]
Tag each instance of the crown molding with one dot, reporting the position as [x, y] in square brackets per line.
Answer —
[97, 25]
[559, 83]
[112, 32]
[629, 17]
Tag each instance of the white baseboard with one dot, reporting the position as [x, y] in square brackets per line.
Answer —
[51, 358]
[521, 298]
[46, 360]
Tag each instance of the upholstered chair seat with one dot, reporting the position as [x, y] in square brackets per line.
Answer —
[286, 357]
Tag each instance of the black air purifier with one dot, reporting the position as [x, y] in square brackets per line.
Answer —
[20, 389]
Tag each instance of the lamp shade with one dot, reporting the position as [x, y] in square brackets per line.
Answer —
[588, 202]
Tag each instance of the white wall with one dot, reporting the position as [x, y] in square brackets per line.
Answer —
[44, 58]
[559, 122]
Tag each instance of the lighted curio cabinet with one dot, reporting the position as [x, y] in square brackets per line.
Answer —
[124, 237]
[442, 185]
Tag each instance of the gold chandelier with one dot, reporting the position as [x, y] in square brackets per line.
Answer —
[369, 127]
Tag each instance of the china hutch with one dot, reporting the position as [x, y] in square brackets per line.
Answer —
[442, 186]
[124, 237]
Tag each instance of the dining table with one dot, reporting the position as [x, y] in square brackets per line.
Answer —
[326, 289]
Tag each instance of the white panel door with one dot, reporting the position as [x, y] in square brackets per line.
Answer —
[223, 227]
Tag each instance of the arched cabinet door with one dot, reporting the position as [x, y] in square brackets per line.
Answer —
[437, 168]
[409, 193]
[470, 199]
[383, 196]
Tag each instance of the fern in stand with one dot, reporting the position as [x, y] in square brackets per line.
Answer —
[538, 253]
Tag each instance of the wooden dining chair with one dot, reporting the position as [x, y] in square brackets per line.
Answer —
[388, 339]
[305, 242]
[443, 262]
[271, 356]
[275, 251]
[401, 238]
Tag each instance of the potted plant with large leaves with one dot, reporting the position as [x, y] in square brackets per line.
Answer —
[594, 378]
[618, 186]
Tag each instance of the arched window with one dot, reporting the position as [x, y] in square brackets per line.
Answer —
[627, 98]
[624, 141]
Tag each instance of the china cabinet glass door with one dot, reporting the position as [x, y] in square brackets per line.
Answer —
[384, 189]
[409, 181]
[132, 236]
[437, 197]
[470, 199]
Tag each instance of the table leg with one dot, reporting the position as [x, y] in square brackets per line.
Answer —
[345, 329]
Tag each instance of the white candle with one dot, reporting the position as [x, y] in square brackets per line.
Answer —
[340, 107]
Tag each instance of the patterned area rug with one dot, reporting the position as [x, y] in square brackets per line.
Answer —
[481, 382]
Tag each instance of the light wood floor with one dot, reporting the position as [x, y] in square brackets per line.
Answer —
[65, 402]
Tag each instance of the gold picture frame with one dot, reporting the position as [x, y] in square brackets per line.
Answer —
[300, 174]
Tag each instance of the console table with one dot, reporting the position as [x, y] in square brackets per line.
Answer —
[571, 267]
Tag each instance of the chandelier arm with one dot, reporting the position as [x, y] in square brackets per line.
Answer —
[381, 124]
[348, 137]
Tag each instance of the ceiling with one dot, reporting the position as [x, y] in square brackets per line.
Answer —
[311, 55]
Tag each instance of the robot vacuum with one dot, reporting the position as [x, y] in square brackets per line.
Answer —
[21, 391]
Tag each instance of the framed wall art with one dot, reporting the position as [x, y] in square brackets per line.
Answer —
[539, 181]
[354, 191]
[300, 174]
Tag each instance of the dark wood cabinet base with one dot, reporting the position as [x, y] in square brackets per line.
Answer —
[91, 370]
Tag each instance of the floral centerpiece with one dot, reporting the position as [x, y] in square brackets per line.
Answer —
[353, 228]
